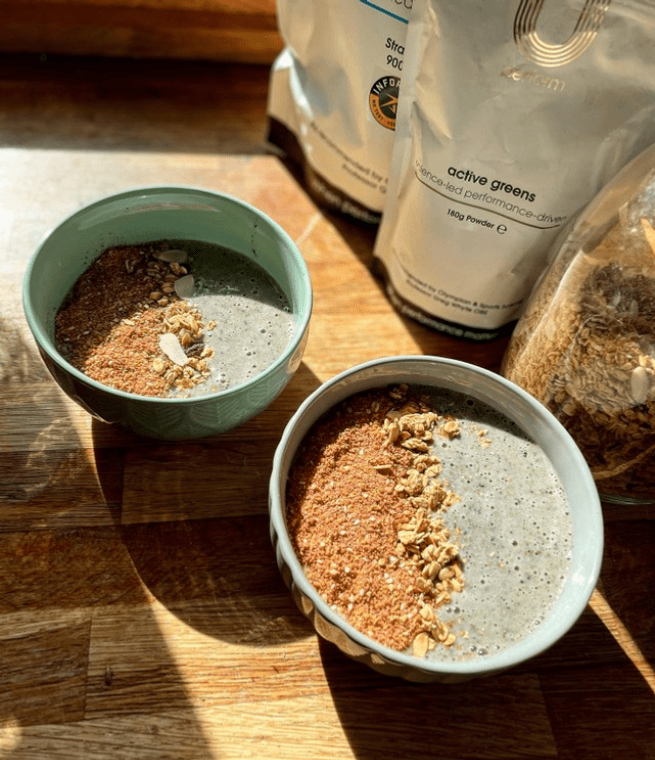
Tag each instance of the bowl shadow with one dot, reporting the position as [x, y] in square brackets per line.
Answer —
[194, 519]
[582, 698]
[61, 566]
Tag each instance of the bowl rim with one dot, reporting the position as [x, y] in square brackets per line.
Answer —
[525, 649]
[45, 344]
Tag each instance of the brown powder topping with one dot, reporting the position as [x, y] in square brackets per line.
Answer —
[364, 509]
[111, 325]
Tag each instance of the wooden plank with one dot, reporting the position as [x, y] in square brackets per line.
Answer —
[44, 488]
[302, 727]
[230, 673]
[589, 708]
[169, 647]
[130, 105]
[164, 484]
[219, 561]
[46, 571]
[247, 8]
[224, 31]
[43, 668]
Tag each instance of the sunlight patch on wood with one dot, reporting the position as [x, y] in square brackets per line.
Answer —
[623, 637]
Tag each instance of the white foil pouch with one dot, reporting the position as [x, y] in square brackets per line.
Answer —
[512, 117]
[333, 97]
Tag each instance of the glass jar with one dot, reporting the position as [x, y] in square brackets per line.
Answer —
[585, 343]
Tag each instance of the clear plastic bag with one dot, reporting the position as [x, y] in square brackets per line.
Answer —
[585, 343]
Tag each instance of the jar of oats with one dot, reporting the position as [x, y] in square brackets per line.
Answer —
[585, 343]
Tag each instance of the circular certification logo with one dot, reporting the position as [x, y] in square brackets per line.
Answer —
[383, 101]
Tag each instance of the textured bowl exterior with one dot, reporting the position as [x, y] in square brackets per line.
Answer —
[537, 422]
[143, 215]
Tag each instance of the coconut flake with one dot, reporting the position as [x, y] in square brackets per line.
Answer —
[171, 346]
[184, 286]
[649, 232]
[639, 384]
[172, 256]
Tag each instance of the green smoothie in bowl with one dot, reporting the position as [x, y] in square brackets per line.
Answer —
[433, 520]
[116, 310]
[174, 322]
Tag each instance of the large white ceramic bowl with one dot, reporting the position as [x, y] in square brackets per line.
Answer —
[537, 423]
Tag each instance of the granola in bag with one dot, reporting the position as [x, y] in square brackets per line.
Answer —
[585, 344]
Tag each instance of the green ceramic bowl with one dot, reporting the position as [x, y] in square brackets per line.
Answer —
[154, 213]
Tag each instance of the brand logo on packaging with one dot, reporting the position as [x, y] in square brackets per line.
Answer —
[398, 9]
[533, 48]
[383, 101]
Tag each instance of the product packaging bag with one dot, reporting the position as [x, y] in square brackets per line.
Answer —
[333, 97]
[512, 115]
[585, 343]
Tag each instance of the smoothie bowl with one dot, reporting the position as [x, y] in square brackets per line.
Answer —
[433, 520]
[175, 312]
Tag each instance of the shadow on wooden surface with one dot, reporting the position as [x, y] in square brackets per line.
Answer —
[220, 30]
[66, 581]
[64, 102]
[194, 521]
[570, 703]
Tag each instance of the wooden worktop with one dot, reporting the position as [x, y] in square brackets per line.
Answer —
[142, 615]
[215, 30]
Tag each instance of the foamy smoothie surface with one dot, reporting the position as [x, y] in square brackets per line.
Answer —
[514, 529]
[429, 521]
[248, 319]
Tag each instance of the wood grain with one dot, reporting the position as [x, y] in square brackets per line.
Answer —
[218, 30]
[142, 614]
